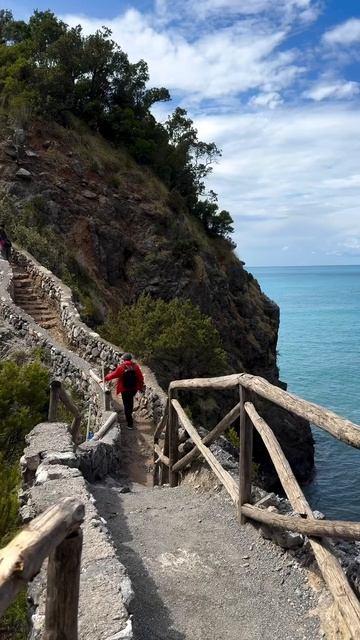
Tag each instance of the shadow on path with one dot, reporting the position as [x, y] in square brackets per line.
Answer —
[152, 619]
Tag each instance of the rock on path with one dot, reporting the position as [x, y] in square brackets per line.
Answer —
[198, 575]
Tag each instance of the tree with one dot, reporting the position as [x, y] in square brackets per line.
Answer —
[11, 31]
[48, 68]
[174, 338]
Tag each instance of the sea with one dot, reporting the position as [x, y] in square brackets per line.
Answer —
[319, 359]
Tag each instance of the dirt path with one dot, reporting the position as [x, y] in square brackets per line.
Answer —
[136, 447]
[197, 575]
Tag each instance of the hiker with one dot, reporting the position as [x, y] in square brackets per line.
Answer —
[5, 244]
[129, 380]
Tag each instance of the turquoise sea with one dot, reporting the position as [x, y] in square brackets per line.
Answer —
[319, 345]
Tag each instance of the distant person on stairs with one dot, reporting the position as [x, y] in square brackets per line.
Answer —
[129, 380]
[5, 244]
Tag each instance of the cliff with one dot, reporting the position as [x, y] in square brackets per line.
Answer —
[113, 231]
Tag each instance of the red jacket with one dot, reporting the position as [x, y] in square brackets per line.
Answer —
[118, 373]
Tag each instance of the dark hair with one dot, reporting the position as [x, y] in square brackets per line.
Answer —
[126, 356]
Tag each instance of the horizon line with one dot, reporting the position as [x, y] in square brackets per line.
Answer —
[293, 266]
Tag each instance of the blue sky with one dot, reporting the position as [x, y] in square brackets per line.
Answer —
[275, 83]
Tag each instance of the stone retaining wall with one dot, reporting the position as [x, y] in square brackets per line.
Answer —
[51, 466]
[63, 363]
[51, 470]
[87, 343]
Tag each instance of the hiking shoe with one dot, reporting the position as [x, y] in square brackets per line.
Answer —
[130, 426]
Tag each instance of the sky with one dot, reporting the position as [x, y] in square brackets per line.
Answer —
[276, 84]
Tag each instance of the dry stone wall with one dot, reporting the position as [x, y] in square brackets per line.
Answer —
[87, 343]
[52, 467]
[50, 471]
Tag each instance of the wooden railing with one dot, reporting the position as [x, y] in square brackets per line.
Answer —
[171, 459]
[59, 394]
[103, 388]
[55, 534]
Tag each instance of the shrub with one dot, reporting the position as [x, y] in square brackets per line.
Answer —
[174, 338]
[23, 403]
[233, 437]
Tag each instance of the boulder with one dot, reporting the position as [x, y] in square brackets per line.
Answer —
[90, 195]
[23, 174]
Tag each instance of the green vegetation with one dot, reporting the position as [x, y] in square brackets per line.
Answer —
[23, 403]
[233, 437]
[50, 69]
[174, 338]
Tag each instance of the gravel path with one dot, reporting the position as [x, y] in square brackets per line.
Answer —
[198, 575]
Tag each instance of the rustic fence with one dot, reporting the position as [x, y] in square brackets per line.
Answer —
[171, 459]
[56, 535]
[59, 394]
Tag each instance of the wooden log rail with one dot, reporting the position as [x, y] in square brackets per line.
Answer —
[329, 421]
[55, 534]
[104, 389]
[170, 461]
[58, 393]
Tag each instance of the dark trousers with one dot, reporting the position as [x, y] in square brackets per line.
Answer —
[5, 253]
[128, 402]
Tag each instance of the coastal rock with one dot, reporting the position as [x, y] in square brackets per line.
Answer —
[23, 174]
[135, 243]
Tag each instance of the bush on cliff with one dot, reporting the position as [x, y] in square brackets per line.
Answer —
[23, 403]
[174, 338]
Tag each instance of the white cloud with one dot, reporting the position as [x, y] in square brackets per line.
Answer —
[290, 178]
[271, 100]
[346, 33]
[288, 174]
[221, 63]
[343, 183]
[339, 90]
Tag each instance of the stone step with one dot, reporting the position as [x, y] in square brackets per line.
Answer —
[22, 284]
[41, 315]
[36, 306]
[47, 324]
[30, 297]
[21, 276]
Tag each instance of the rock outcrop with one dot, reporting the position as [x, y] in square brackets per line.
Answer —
[125, 235]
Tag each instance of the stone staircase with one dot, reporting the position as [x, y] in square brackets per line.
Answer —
[27, 297]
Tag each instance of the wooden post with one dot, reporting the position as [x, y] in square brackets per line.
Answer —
[75, 429]
[173, 426]
[61, 616]
[245, 457]
[55, 386]
[21, 559]
[164, 470]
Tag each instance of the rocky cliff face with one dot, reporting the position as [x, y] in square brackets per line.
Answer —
[126, 235]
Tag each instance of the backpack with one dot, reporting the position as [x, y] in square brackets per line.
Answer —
[129, 378]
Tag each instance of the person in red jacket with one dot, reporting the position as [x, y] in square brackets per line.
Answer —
[129, 380]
